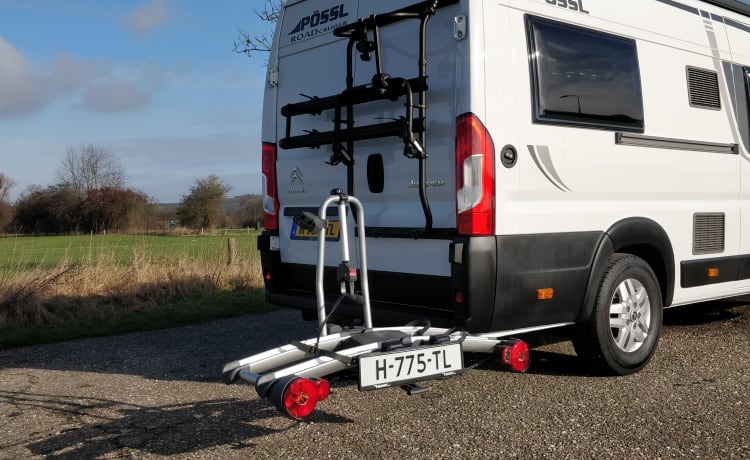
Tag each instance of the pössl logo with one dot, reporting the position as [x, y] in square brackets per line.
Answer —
[319, 18]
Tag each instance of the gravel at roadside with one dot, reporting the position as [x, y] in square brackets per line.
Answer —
[158, 393]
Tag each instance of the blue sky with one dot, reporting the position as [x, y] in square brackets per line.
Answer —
[157, 81]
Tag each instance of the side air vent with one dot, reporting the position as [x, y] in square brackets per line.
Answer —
[703, 88]
[708, 233]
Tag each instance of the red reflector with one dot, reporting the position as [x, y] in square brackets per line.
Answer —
[516, 356]
[324, 388]
[300, 397]
[459, 297]
[268, 277]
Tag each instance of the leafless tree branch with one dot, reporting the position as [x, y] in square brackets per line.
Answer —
[248, 44]
[6, 183]
[91, 167]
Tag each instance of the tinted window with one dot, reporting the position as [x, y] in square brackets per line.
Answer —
[584, 77]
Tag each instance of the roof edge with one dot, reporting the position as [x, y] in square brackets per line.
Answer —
[732, 5]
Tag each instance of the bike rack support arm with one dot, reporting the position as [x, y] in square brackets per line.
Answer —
[342, 200]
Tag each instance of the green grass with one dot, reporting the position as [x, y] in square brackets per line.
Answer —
[28, 253]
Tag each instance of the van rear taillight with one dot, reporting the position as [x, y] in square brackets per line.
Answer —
[475, 178]
[270, 192]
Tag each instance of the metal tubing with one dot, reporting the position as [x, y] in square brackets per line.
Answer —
[282, 356]
[288, 360]
[249, 377]
[360, 211]
[320, 267]
[344, 232]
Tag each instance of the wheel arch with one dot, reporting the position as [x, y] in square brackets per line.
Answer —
[641, 237]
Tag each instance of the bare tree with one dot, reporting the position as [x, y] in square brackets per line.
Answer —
[6, 183]
[248, 44]
[91, 167]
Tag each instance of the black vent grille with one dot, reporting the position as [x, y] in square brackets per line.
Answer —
[703, 88]
[708, 233]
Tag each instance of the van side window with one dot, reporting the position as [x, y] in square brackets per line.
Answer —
[583, 77]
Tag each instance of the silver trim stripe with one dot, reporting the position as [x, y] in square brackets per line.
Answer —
[640, 140]
[543, 160]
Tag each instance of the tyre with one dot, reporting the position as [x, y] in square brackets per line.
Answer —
[621, 335]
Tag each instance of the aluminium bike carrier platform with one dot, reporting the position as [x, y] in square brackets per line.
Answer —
[291, 376]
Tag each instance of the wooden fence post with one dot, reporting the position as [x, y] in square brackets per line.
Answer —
[231, 250]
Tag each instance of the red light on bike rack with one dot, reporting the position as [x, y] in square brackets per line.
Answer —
[300, 396]
[515, 354]
[268, 276]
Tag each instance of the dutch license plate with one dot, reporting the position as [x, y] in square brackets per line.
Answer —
[399, 367]
[332, 232]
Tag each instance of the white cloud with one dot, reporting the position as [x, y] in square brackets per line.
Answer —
[148, 17]
[21, 91]
[98, 86]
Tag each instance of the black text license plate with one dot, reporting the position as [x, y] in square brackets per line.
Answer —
[409, 365]
[332, 232]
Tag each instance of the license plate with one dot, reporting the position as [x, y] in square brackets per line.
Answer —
[332, 232]
[399, 367]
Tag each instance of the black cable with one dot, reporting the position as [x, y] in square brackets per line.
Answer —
[325, 322]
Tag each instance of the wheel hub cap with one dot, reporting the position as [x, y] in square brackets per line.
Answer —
[630, 315]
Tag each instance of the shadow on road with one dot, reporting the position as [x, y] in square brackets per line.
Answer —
[704, 313]
[556, 363]
[197, 353]
[111, 426]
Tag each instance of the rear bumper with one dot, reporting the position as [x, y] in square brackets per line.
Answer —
[493, 283]
[395, 298]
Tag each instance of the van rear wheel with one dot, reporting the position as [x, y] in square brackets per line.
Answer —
[621, 335]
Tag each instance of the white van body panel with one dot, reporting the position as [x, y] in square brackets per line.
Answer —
[572, 187]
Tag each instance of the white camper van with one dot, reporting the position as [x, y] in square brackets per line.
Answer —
[523, 164]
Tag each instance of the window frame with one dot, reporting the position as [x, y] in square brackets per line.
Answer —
[572, 119]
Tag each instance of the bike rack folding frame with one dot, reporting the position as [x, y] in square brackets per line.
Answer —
[290, 376]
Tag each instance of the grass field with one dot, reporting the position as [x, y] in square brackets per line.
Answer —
[21, 254]
[56, 288]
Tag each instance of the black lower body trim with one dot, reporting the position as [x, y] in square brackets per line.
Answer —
[695, 273]
[493, 284]
[527, 263]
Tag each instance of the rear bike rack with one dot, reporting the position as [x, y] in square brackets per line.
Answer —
[291, 376]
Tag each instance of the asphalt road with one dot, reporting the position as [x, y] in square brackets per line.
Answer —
[158, 394]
